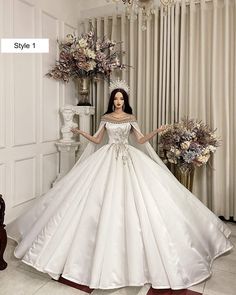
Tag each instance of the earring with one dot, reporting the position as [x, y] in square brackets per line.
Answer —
[123, 107]
[113, 107]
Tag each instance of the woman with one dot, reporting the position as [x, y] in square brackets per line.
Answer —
[119, 217]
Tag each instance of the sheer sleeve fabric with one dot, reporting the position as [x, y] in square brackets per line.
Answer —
[93, 147]
[145, 147]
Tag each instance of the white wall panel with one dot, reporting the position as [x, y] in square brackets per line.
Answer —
[30, 102]
[68, 29]
[50, 92]
[24, 16]
[50, 170]
[2, 86]
[2, 179]
[64, 10]
[24, 180]
[70, 89]
[24, 76]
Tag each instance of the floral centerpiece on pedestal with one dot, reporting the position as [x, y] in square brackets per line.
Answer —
[86, 57]
[187, 144]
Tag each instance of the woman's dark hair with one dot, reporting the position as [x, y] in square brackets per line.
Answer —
[127, 109]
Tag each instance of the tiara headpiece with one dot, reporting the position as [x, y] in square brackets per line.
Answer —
[119, 84]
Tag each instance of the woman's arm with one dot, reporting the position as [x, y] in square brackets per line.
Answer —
[144, 138]
[95, 139]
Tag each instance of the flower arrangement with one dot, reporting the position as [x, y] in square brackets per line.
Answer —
[188, 143]
[85, 56]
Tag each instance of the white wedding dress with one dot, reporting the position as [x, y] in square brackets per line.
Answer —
[120, 218]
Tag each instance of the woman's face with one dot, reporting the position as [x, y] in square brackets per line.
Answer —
[118, 100]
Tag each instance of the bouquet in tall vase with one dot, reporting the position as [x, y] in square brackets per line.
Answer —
[186, 145]
[86, 58]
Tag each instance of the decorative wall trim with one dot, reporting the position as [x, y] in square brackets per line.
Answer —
[2, 87]
[16, 201]
[29, 62]
[29, 101]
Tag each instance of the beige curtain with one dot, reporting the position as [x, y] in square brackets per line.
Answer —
[207, 79]
[142, 52]
[183, 64]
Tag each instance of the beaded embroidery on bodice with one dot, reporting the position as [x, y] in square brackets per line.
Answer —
[118, 134]
[118, 130]
[127, 118]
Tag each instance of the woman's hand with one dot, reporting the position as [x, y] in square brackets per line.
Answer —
[161, 128]
[94, 139]
[75, 130]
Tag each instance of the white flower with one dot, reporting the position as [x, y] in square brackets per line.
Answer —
[203, 159]
[175, 151]
[82, 43]
[92, 65]
[205, 151]
[117, 62]
[209, 149]
[212, 148]
[174, 161]
[90, 53]
[185, 145]
[69, 38]
[112, 45]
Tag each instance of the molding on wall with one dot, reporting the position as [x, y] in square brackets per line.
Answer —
[3, 178]
[30, 101]
[16, 192]
[2, 87]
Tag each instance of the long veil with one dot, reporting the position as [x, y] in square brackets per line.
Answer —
[146, 147]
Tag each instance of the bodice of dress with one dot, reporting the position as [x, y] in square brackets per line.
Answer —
[118, 133]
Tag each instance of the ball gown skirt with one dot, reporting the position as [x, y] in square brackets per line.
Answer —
[118, 218]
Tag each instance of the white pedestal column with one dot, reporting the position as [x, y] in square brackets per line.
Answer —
[67, 157]
[84, 113]
[67, 146]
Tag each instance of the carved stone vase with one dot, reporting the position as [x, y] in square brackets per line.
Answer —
[185, 175]
[83, 85]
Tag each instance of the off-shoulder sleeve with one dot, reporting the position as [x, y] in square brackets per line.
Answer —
[146, 147]
[133, 118]
[108, 118]
[93, 147]
[103, 118]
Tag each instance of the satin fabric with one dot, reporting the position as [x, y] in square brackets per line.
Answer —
[120, 218]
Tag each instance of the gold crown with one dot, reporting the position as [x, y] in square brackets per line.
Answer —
[119, 84]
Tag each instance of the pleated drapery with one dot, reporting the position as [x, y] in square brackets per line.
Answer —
[207, 80]
[184, 64]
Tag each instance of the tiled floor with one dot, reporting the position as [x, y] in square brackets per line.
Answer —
[20, 279]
